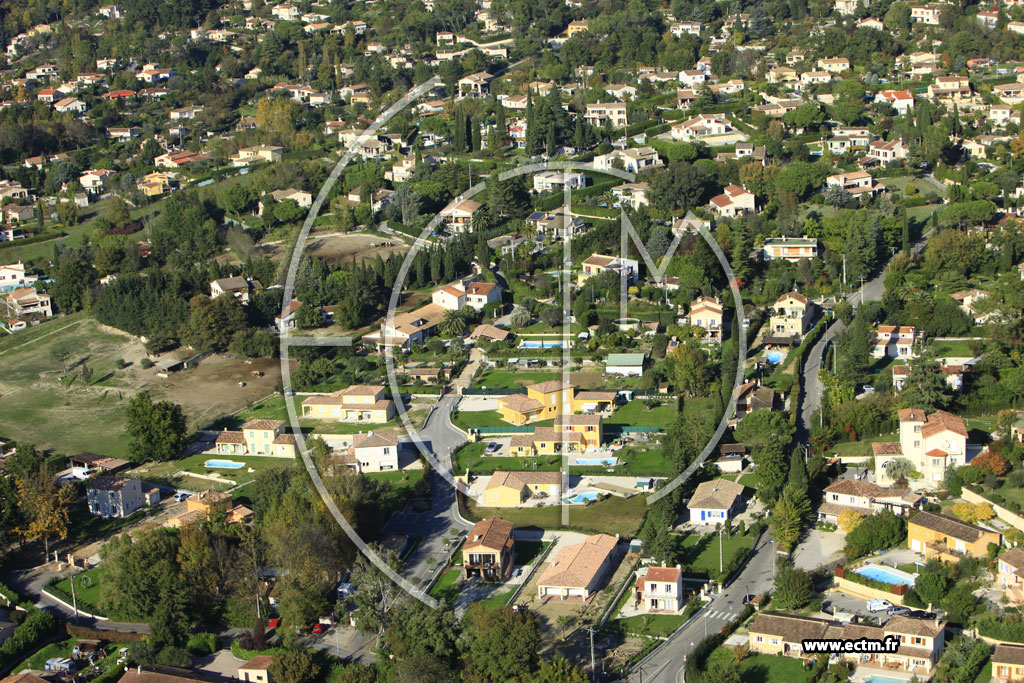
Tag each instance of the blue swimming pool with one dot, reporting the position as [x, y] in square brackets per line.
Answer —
[584, 497]
[224, 464]
[884, 679]
[893, 577]
[527, 344]
[606, 462]
[775, 357]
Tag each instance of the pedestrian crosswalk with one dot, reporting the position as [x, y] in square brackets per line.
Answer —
[721, 615]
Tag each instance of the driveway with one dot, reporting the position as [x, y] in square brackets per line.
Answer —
[818, 549]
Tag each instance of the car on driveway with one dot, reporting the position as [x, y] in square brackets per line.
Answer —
[181, 495]
[920, 614]
[879, 605]
[493, 447]
[899, 611]
[318, 628]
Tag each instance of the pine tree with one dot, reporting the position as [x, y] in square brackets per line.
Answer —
[532, 136]
[460, 133]
[477, 142]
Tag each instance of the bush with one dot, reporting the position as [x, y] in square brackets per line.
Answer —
[202, 644]
[146, 363]
[38, 626]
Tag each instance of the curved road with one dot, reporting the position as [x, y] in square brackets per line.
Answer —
[811, 391]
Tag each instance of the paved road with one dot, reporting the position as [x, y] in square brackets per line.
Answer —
[667, 663]
[442, 521]
[810, 396]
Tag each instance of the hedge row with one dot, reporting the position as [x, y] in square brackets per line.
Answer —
[44, 237]
[553, 201]
[238, 651]
[1001, 628]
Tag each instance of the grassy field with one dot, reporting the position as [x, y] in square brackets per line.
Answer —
[702, 552]
[499, 598]
[612, 516]
[767, 668]
[857, 449]
[401, 485]
[90, 418]
[649, 460]
[956, 348]
[165, 471]
[636, 414]
[479, 418]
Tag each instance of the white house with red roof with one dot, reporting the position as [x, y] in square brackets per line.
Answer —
[932, 443]
[659, 589]
[734, 201]
[901, 100]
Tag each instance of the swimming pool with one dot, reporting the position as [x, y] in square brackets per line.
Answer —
[885, 679]
[606, 462]
[775, 357]
[893, 577]
[585, 497]
[527, 344]
[224, 464]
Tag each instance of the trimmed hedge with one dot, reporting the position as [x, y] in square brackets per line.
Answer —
[45, 237]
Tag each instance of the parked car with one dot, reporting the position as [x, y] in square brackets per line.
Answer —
[318, 628]
[920, 614]
[899, 611]
[879, 605]
[181, 495]
[493, 447]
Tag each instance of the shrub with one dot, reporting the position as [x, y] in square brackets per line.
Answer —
[202, 644]
[146, 363]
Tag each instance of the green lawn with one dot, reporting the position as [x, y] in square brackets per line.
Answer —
[611, 516]
[446, 589]
[985, 675]
[527, 551]
[510, 379]
[165, 471]
[956, 348]
[38, 660]
[859, 449]
[636, 414]
[401, 485]
[658, 625]
[87, 589]
[90, 418]
[85, 526]
[702, 552]
[472, 456]
[499, 598]
[478, 418]
[648, 460]
[757, 668]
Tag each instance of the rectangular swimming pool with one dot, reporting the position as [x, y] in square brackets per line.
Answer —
[606, 462]
[529, 344]
[889, 575]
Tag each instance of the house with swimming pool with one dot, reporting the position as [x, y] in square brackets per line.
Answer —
[512, 489]
[258, 437]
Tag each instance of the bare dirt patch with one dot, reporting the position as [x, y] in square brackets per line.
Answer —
[335, 247]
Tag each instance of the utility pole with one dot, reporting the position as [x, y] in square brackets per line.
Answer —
[593, 661]
[74, 600]
[861, 290]
[844, 272]
[721, 566]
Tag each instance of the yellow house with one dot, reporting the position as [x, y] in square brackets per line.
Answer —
[948, 539]
[157, 183]
[545, 400]
[357, 403]
[789, 316]
[258, 437]
[548, 441]
[511, 489]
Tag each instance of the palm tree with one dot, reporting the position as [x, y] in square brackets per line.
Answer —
[453, 324]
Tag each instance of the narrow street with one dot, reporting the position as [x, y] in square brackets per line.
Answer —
[666, 665]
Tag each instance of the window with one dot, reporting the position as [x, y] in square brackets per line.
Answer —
[917, 428]
[917, 444]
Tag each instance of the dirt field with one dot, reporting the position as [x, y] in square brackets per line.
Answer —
[53, 410]
[336, 247]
